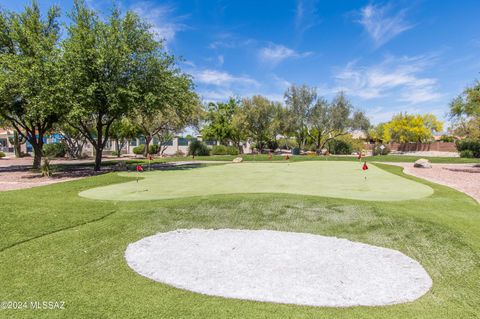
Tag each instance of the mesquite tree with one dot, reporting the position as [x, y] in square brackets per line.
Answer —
[102, 60]
[299, 101]
[256, 115]
[31, 94]
[167, 102]
[327, 121]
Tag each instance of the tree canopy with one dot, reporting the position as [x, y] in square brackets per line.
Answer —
[465, 110]
[31, 93]
[405, 128]
[109, 66]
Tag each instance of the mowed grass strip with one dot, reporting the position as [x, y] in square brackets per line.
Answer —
[84, 264]
[332, 179]
[303, 158]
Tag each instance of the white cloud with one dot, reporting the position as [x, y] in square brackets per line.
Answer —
[221, 60]
[381, 25]
[162, 19]
[305, 15]
[276, 53]
[396, 78]
[221, 78]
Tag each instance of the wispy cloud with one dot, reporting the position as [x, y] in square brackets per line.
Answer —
[305, 15]
[221, 78]
[164, 23]
[216, 85]
[276, 53]
[229, 41]
[399, 79]
[382, 24]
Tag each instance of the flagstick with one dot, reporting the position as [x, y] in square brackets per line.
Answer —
[137, 182]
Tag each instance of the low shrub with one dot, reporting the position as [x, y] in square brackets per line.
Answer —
[447, 138]
[2, 154]
[296, 151]
[153, 149]
[340, 147]
[54, 150]
[467, 154]
[198, 148]
[469, 144]
[379, 150]
[224, 150]
[138, 150]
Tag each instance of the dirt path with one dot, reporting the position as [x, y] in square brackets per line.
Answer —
[462, 177]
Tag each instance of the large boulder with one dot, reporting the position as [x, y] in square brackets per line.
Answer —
[422, 163]
[237, 160]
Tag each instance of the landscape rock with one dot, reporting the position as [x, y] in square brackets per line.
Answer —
[422, 163]
[237, 160]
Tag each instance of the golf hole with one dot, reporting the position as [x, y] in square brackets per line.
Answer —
[279, 267]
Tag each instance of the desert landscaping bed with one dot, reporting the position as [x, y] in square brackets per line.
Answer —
[462, 177]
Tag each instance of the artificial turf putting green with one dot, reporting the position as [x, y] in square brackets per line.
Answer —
[57, 246]
[329, 179]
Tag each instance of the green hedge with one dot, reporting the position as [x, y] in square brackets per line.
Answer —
[340, 147]
[224, 150]
[152, 149]
[469, 147]
[54, 150]
[198, 148]
[2, 154]
[138, 150]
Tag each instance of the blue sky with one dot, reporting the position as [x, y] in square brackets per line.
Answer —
[388, 56]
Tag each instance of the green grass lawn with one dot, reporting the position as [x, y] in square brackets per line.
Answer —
[332, 179]
[57, 246]
[301, 158]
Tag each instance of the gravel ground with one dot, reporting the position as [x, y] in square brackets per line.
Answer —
[462, 177]
[11, 180]
[279, 267]
[428, 154]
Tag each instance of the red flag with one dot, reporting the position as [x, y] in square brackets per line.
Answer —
[150, 157]
[139, 168]
[287, 157]
[364, 167]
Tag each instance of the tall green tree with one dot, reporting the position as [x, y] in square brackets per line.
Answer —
[103, 59]
[257, 115]
[223, 125]
[299, 101]
[167, 102]
[465, 109]
[327, 121]
[31, 94]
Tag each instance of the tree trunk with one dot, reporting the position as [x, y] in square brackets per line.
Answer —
[148, 139]
[117, 148]
[37, 152]
[98, 158]
[99, 147]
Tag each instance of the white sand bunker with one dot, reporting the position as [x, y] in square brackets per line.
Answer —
[281, 267]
